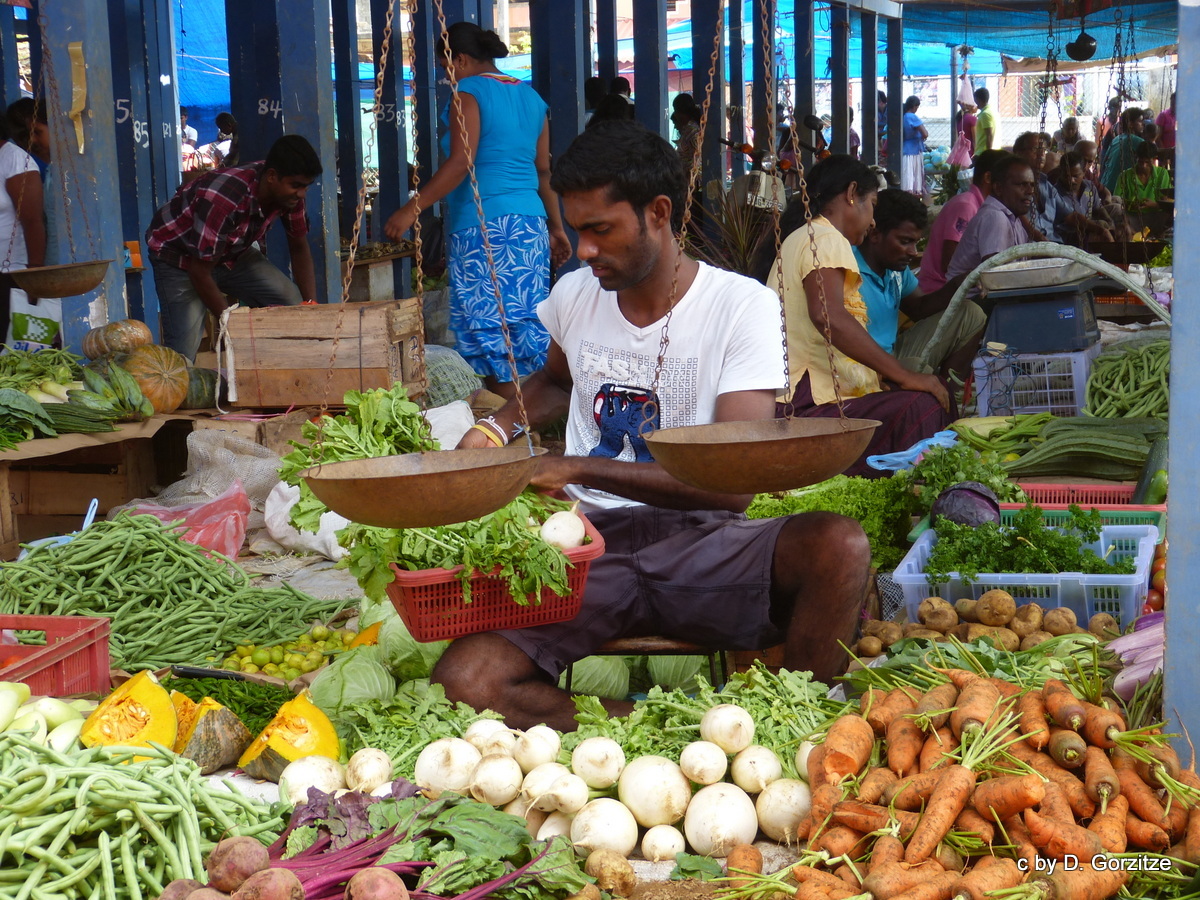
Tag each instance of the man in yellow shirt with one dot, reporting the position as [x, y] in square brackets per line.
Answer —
[987, 126]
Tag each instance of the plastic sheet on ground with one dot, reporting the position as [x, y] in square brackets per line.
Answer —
[313, 575]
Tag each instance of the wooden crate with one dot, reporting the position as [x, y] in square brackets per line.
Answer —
[283, 354]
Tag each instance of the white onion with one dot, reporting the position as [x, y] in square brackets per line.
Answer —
[703, 762]
[568, 793]
[599, 761]
[558, 822]
[537, 784]
[662, 842]
[605, 824]
[482, 731]
[654, 790]
[720, 817]
[802, 753]
[496, 780]
[445, 765]
[321, 772]
[539, 745]
[781, 806]
[754, 768]
[729, 727]
[368, 769]
[523, 809]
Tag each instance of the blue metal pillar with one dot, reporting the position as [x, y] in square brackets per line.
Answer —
[650, 63]
[542, 51]
[706, 20]
[806, 100]
[1182, 701]
[764, 96]
[606, 40]
[349, 112]
[737, 85]
[839, 74]
[895, 92]
[91, 221]
[390, 137]
[462, 11]
[10, 80]
[868, 123]
[426, 96]
[252, 34]
[560, 25]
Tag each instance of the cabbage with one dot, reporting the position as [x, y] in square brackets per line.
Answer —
[967, 503]
[355, 676]
[599, 676]
[676, 672]
[406, 657]
[372, 611]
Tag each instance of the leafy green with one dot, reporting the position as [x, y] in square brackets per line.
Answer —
[941, 467]
[405, 656]
[676, 672]
[701, 868]
[1025, 546]
[354, 677]
[881, 506]
[599, 676]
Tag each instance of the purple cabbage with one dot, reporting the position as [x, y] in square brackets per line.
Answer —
[967, 503]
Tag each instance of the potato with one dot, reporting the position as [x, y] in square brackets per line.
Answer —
[612, 872]
[1005, 638]
[1027, 620]
[966, 609]
[1059, 621]
[996, 607]
[961, 630]
[890, 633]
[920, 631]
[1034, 638]
[587, 892]
[928, 605]
[942, 618]
[872, 627]
[868, 646]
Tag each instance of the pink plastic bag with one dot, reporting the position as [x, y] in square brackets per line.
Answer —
[218, 524]
[960, 155]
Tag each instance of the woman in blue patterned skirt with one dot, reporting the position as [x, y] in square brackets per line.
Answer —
[508, 136]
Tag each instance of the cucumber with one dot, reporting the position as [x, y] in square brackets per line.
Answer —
[1156, 461]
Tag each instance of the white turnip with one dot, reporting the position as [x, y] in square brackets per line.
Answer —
[320, 772]
[445, 765]
[523, 809]
[368, 769]
[568, 794]
[703, 762]
[729, 727]
[537, 746]
[599, 761]
[720, 817]
[556, 823]
[754, 768]
[605, 824]
[662, 842]
[780, 808]
[537, 784]
[654, 790]
[496, 780]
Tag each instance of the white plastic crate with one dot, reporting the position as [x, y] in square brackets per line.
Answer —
[1014, 383]
[1121, 596]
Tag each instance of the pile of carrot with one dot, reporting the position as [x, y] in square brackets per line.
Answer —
[977, 785]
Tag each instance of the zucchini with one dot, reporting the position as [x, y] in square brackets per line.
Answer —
[1156, 461]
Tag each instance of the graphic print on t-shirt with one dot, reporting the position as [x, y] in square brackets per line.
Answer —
[621, 412]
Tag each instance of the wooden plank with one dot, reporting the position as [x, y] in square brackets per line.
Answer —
[354, 351]
[284, 387]
[318, 321]
[9, 538]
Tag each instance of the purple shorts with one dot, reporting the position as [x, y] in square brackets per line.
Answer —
[698, 576]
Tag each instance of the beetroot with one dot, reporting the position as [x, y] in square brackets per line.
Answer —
[270, 884]
[179, 889]
[375, 883]
[207, 893]
[233, 861]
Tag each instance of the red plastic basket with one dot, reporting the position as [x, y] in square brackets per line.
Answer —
[1060, 496]
[430, 601]
[74, 659]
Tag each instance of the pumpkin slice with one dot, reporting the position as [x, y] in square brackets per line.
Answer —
[136, 714]
[185, 717]
[214, 737]
[298, 729]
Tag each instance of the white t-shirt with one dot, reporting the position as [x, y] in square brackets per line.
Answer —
[13, 161]
[724, 336]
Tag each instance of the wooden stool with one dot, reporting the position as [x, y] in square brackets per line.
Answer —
[655, 645]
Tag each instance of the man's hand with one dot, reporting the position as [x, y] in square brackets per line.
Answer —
[553, 474]
[930, 384]
[560, 247]
[399, 222]
[474, 439]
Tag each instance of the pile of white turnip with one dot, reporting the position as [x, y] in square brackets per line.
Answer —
[720, 794]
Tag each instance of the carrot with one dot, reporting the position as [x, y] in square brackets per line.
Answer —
[911, 792]
[1081, 803]
[1031, 712]
[936, 887]
[1177, 819]
[823, 800]
[866, 817]
[1007, 795]
[1055, 805]
[946, 801]
[936, 750]
[848, 746]
[1144, 835]
[1058, 840]
[1191, 841]
[1018, 837]
[743, 858]
[1101, 726]
[991, 873]
[804, 828]
[949, 858]
[960, 678]
[1082, 883]
[809, 875]
[1100, 781]
[1066, 748]
[1062, 706]
[815, 765]
[847, 874]
[897, 702]
[870, 701]
[1166, 764]
[1142, 800]
[889, 880]
[904, 741]
[977, 703]
[811, 891]
[935, 706]
[1109, 825]
[838, 840]
[888, 849]
[972, 822]
[870, 790]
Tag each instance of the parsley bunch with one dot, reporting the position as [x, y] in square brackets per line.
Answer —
[943, 467]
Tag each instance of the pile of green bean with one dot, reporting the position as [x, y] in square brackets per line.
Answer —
[169, 601]
[112, 822]
[1130, 383]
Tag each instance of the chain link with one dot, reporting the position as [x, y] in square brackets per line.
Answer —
[1050, 83]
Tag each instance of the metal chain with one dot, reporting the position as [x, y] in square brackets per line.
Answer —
[410, 7]
[483, 228]
[1051, 80]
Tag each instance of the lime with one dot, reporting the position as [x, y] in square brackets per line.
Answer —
[319, 633]
[320, 645]
[244, 650]
[270, 669]
[232, 662]
[294, 660]
[291, 673]
[348, 634]
[277, 654]
[260, 657]
[250, 669]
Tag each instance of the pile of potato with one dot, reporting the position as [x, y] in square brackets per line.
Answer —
[995, 615]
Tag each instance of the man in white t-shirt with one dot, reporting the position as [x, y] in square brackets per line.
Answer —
[679, 561]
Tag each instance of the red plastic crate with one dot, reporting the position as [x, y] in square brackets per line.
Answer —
[74, 659]
[430, 601]
[1060, 496]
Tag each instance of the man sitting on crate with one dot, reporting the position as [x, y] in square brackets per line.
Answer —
[679, 562]
[202, 243]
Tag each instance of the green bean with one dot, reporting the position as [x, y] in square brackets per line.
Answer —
[106, 867]
[156, 834]
[131, 872]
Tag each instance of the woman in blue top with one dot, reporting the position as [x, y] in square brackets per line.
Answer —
[508, 137]
[912, 170]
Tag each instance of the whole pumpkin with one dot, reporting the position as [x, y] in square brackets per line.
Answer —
[161, 373]
[116, 337]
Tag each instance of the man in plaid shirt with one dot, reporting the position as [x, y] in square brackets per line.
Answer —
[202, 243]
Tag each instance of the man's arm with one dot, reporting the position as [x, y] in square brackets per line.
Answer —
[918, 305]
[948, 248]
[986, 143]
[26, 193]
[200, 273]
[302, 266]
[560, 244]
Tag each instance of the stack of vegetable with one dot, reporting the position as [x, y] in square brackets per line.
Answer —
[43, 720]
[1131, 381]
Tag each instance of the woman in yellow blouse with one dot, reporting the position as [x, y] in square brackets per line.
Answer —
[822, 294]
